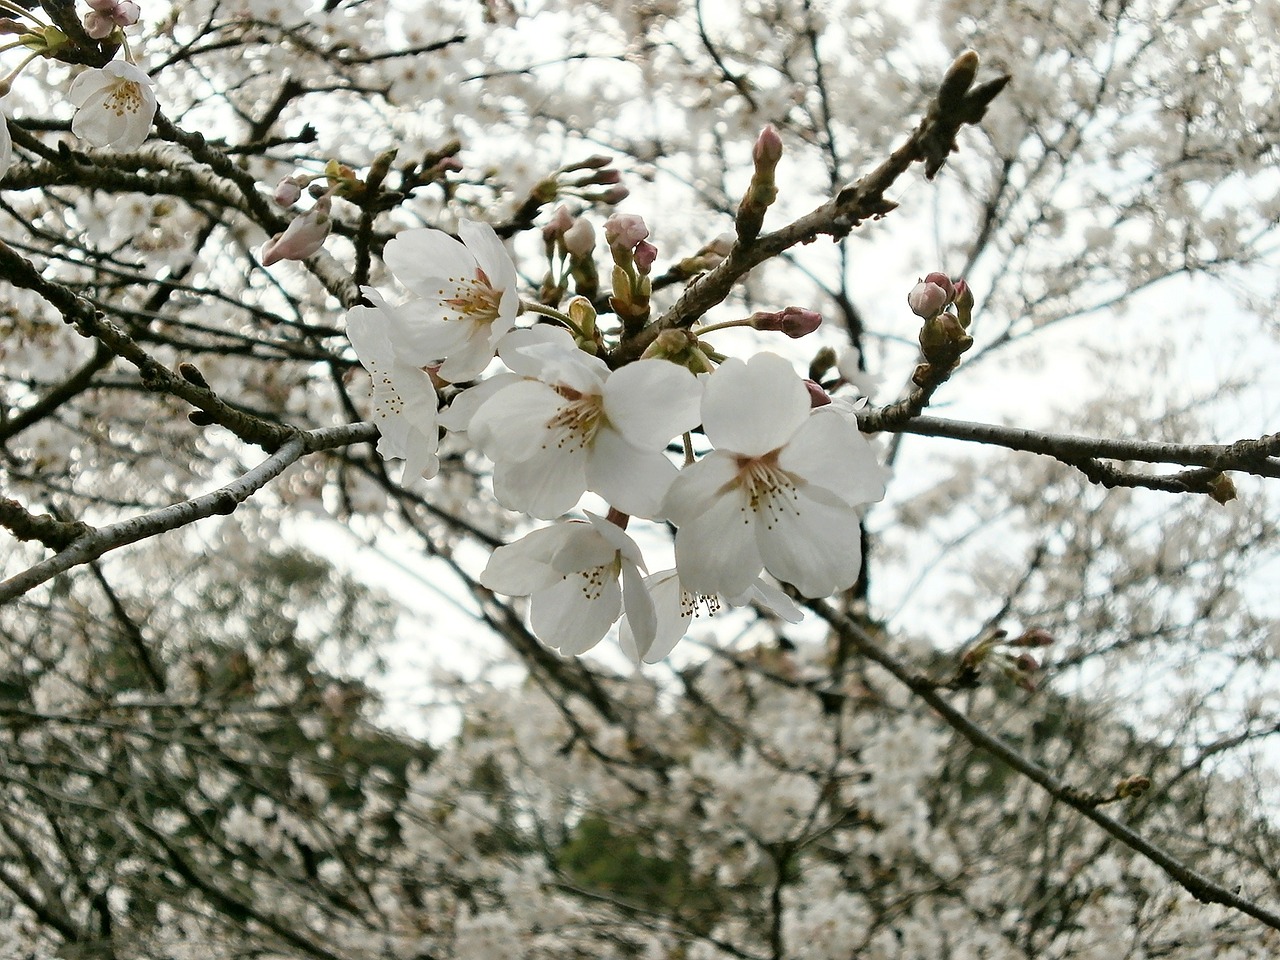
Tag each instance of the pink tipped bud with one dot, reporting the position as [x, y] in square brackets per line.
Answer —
[795, 322]
[768, 149]
[612, 196]
[594, 162]
[927, 299]
[605, 178]
[942, 280]
[304, 236]
[560, 221]
[625, 230]
[645, 254]
[580, 238]
[288, 192]
[1035, 637]
[817, 396]
[963, 300]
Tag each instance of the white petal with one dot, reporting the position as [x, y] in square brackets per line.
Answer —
[583, 549]
[813, 545]
[574, 614]
[467, 360]
[546, 486]
[520, 568]
[456, 417]
[484, 245]
[652, 401]
[752, 408]
[632, 480]
[716, 550]
[512, 424]
[697, 486]
[514, 345]
[830, 452]
[421, 333]
[425, 260]
[765, 594]
[641, 616]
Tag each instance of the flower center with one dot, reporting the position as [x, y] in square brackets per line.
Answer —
[474, 299]
[594, 579]
[769, 489]
[125, 97]
[576, 423]
[696, 604]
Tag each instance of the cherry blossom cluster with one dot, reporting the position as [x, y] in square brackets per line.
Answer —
[114, 105]
[761, 472]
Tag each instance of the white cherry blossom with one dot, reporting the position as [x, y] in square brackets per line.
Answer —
[114, 106]
[677, 608]
[578, 577]
[575, 426]
[404, 398]
[779, 492]
[467, 297]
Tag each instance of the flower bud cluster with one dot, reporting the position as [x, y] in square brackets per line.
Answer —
[946, 307]
[1011, 658]
[771, 492]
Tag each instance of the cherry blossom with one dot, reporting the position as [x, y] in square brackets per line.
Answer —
[677, 607]
[779, 492]
[404, 398]
[579, 576]
[114, 106]
[106, 15]
[576, 426]
[467, 292]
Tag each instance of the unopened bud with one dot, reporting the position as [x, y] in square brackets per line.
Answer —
[927, 299]
[957, 80]
[1035, 637]
[1134, 786]
[560, 221]
[1222, 488]
[288, 192]
[795, 322]
[817, 396]
[645, 254]
[625, 230]
[767, 150]
[963, 299]
[942, 280]
[611, 196]
[580, 238]
[304, 236]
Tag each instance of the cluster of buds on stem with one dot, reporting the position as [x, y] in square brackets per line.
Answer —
[946, 307]
[1010, 658]
[633, 257]
[570, 244]
[581, 180]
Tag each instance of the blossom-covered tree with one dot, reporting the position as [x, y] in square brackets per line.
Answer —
[624, 294]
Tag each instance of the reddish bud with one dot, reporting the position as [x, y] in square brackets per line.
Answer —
[817, 396]
[942, 280]
[645, 254]
[795, 322]
[768, 149]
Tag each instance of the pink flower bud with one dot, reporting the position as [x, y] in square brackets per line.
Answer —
[288, 192]
[106, 15]
[625, 230]
[612, 195]
[942, 280]
[605, 178]
[645, 254]
[817, 396]
[303, 237]
[795, 322]
[927, 299]
[580, 238]
[768, 149]
[560, 221]
[1035, 637]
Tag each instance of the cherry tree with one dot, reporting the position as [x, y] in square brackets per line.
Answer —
[535, 296]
